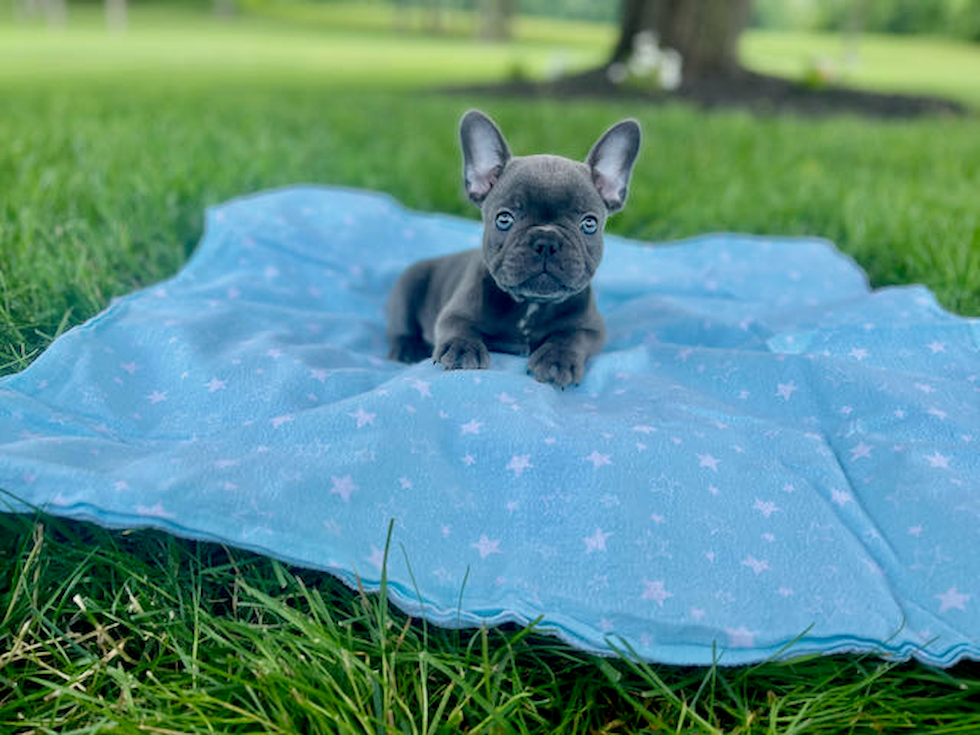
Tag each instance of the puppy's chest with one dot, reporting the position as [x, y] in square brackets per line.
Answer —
[516, 333]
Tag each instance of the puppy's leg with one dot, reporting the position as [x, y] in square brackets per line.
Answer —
[560, 359]
[458, 346]
[405, 340]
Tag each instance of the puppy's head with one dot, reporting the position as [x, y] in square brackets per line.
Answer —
[544, 215]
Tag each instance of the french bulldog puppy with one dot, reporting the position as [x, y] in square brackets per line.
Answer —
[526, 291]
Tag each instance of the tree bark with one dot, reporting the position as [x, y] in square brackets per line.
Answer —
[115, 14]
[495, 19]
[705, 32]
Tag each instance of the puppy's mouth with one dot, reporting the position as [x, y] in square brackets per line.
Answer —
[542, 287]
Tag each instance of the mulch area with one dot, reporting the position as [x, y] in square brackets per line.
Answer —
[747, 90]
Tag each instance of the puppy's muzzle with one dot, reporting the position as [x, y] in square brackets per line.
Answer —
[545, 241]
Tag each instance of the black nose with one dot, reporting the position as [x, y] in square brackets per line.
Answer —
[546, 244]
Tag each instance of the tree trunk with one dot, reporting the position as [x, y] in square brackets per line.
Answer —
[705, 32]
[115, 14]
[495, 19]
[225, 8]
[56, 12]
[435, 16]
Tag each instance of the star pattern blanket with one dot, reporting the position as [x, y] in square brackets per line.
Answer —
[765, 453]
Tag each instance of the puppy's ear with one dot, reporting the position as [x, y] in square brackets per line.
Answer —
[611, 162]
[485, 153]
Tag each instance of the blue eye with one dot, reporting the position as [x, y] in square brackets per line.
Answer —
[589, 224]
[504, 220]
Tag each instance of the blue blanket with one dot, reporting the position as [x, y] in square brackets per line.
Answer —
[764, 452]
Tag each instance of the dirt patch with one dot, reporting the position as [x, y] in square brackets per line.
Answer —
[747, 90]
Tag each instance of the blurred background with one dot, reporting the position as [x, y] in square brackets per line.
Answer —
[122, 120]
[893, 45]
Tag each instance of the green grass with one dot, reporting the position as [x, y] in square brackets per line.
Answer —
[140, 632]
[104, 173]
[336, 47]
[908, 64]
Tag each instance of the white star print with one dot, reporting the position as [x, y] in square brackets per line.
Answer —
[596, 542]
[129, 367]
[469, 460]
[756, 565]
[343, 486]
[597, 459]
[156, 397]
[156, 510]
[952, 600]
[766, 507]
[938, 461]
[936, 347]
[473, 427]
[786, 390]
[422, 387]
[519, 463]
[405, 483]
[214, 385]
[840, 497]
[377, 557]
[486, 547]
[643, 428]
[280, 420]
[655, 591]
[741, 637]
[319, 374]
[858, 353]
[925, 388]
[363, 417]
[861, 450]
[706, 460]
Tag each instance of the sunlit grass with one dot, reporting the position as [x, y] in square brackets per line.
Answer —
[180, 48]
[910, 64]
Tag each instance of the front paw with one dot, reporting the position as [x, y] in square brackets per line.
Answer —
[557, 364]
[463, 353]
[409, 348]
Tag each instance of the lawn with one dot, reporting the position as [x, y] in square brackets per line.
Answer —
[110, 148]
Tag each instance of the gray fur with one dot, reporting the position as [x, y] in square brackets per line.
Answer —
[526, 291]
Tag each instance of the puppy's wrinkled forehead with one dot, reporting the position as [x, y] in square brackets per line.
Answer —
[546, 188]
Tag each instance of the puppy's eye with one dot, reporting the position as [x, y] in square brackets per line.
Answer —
[589, 224]
[504, 220]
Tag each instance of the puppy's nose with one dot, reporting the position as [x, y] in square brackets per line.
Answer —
[546, 243]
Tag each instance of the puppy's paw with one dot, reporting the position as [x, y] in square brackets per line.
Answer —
[462, 353]
[556, 364]
[409, 348]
